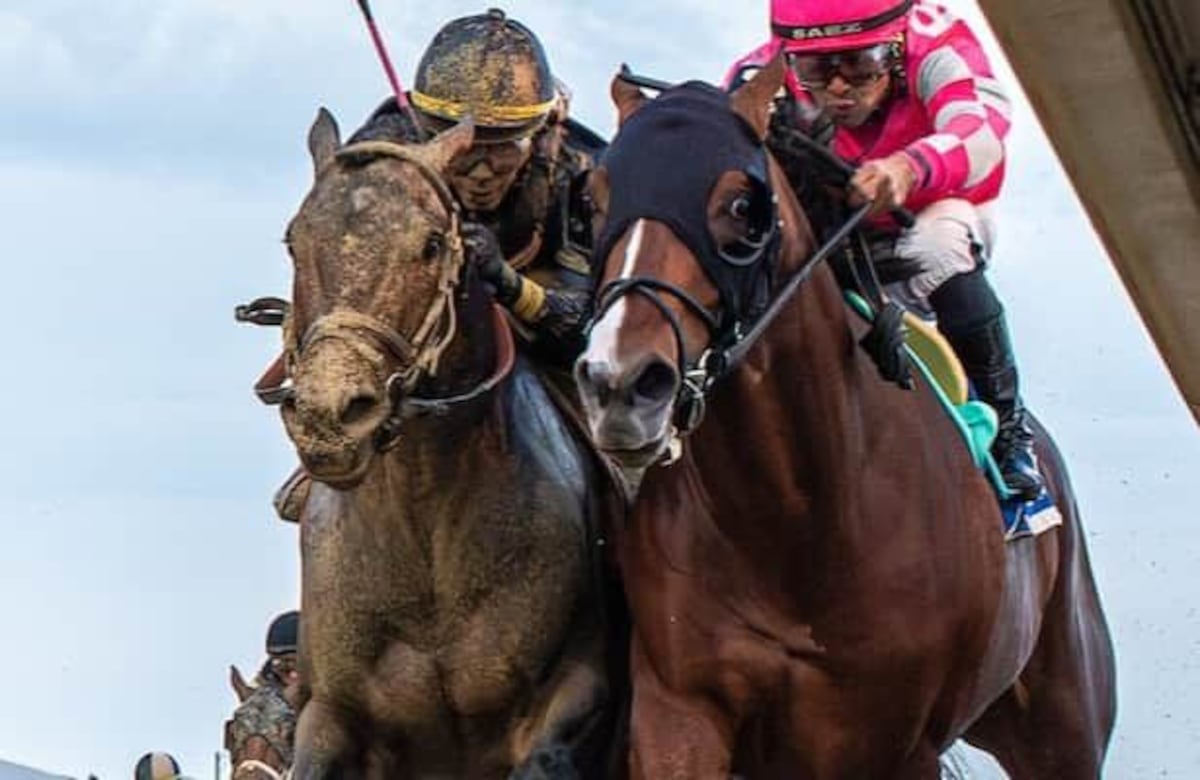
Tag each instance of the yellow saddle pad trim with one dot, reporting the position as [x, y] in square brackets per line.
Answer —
[938, 356]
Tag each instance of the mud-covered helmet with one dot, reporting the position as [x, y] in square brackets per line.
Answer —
[156, 766]
[283, 634]
[812, 26]
[491, 68]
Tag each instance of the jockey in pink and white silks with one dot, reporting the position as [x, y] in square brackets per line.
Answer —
[912, 100]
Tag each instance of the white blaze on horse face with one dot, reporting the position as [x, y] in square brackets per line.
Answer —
[602, 346]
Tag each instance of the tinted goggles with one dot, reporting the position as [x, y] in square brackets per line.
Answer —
[857, 67]
[502, 157]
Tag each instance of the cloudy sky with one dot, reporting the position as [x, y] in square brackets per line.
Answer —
[151, 153]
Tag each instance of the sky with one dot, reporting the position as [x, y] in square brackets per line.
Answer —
[151, 153]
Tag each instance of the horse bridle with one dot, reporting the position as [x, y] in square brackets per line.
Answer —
[257, 765]
[696, 378]
[739, 271]
[728, 345]
[418, 355]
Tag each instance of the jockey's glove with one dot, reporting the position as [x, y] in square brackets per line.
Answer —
[484, 251]
[522, 296]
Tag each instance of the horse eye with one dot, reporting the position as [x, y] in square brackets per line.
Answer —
[433, 247]
[739, 209]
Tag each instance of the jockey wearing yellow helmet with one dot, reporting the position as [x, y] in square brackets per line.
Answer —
[520, 183]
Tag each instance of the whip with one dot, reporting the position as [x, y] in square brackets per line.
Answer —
[386, 60]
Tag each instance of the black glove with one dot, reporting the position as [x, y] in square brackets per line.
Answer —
[484, 251]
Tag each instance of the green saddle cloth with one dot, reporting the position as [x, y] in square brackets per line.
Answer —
[977, 422]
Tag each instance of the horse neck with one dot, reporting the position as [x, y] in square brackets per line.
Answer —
[791, 418]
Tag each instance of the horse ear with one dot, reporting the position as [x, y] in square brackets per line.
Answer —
[626, 97]
[446, 145]
[324, 139]
[752, 100]
[239, 684]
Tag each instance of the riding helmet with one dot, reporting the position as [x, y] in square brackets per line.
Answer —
[283, 634]
[156, 766]
[488, 67]
[811, 26]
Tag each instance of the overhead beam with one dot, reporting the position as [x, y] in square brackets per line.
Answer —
[1110, 81]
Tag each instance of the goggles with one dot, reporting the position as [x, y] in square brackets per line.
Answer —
[502, 157]
[284, 664]
[857, 67]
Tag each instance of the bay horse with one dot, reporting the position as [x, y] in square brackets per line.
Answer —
[451, 624]
[259, 734]
[819, 585]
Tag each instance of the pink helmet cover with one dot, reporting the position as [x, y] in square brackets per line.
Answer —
[829, 25]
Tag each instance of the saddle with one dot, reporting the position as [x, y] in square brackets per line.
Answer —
[977, 422]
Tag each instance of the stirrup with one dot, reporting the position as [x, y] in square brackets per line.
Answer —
[1021, 474]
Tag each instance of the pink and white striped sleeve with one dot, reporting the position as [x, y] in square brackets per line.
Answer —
[969, 112]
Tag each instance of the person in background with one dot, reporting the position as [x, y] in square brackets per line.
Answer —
[157, 766]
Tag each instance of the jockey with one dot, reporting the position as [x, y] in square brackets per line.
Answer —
[520, 184]
[907, 94]
[270, 711]
[281, 669]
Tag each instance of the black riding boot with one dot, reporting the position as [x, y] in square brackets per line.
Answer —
[972, 319]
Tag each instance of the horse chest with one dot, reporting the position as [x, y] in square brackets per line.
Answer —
[439, 621]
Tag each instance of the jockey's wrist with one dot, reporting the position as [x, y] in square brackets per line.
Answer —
[506, 281]
[529, 301]
[921, 168]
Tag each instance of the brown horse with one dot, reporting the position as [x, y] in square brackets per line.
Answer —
[820, 587]
[258, 736]
[451, 625]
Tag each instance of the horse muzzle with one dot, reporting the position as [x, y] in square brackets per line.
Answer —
[629, 411]
[337, 406]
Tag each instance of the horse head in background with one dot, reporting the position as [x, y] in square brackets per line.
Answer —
[449, 580]
[260, 733]
[820, 584]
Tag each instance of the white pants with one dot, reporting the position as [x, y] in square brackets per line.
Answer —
[950, 237]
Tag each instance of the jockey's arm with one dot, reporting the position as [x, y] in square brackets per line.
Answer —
[551, 299]
[969, 112]
[552, 296]
[555, 304]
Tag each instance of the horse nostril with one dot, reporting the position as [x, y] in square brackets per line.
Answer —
[656, 382]
[359, 407]
[594, 376]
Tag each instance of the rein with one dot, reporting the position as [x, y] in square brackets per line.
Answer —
[418, 355]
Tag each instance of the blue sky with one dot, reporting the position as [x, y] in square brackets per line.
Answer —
[150, 156]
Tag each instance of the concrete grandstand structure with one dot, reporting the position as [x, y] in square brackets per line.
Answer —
[1116, 83]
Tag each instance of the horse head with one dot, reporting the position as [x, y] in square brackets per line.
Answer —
[377, 256]
[694, 222]
[258, 735]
